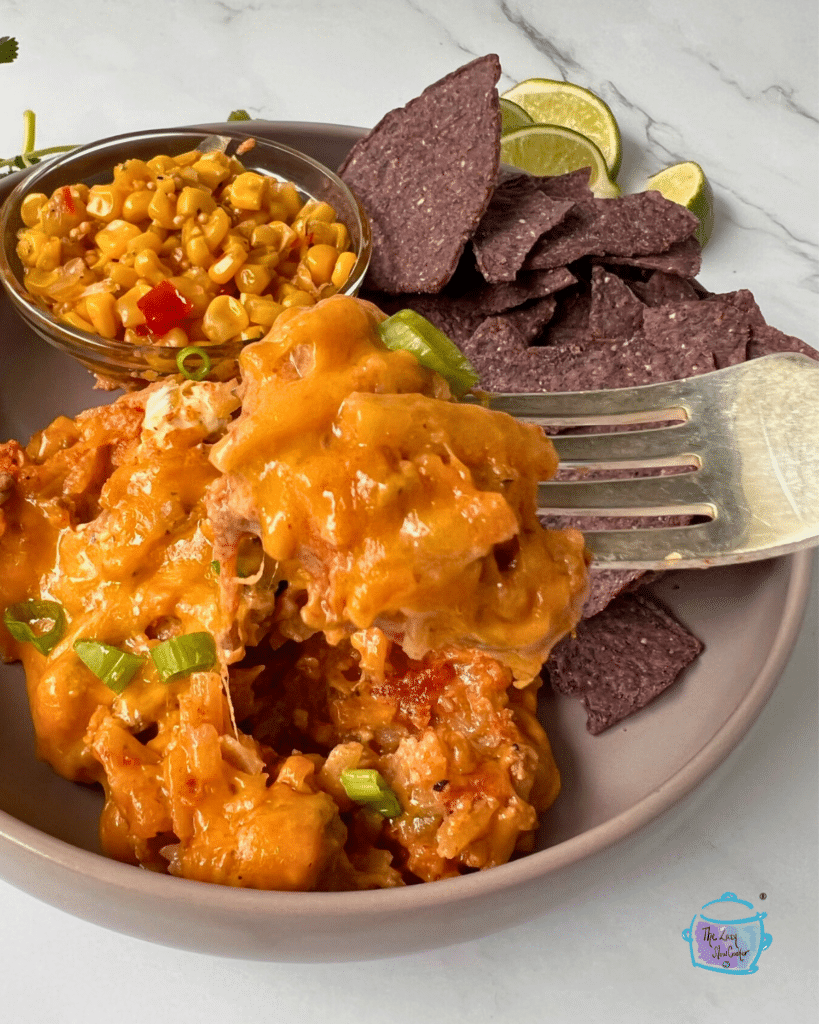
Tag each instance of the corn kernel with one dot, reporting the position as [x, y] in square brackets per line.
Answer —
[192, 201]
[187, 159]
[253, 278]
[30, 208]
[198, 252]
[175, 338]
[318, 211]
[224, 319]
[160, 164]
[105, 202]
[129, 313]
[75, 320]
[321, 261]
[112, 240]
[29, 246]
[135, 205]
[298, 298]
[227, 266]
[121, 276]
[195, 291]
[261, 310]
[149, 266]
[289, 196]
[276, 210]
[253, 333]
[216, 228]
[267, 258]
[342, 239]
[55, 216]
[247, 191]
[132, 174]
[318, 232]
[277, 236]
[146, 240]
[100, 307]
[249, 222]
[212, 169]
[162, 209]
[50, 256]
[343, 268]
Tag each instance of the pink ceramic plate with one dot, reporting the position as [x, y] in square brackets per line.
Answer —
[748, 616]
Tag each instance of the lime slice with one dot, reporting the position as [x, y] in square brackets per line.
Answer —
[550, 102]
[687, 185]
[553, 149]
[512, 116]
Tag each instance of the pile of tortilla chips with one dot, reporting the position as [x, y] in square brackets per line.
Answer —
[547, 288]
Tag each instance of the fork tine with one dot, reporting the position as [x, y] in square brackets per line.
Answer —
[681, 494]
[622, 405]
[679, 547]
[665, 446]
[753, 430]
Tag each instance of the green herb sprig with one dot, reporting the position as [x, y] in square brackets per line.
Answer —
[29, 155]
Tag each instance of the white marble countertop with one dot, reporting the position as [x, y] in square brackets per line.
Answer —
[731, 85]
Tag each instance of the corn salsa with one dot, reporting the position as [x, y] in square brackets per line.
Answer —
[191, 249]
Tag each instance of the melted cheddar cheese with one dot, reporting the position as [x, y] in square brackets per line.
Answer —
[366, 554]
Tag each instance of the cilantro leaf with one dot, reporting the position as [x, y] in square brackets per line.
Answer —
[8, 49]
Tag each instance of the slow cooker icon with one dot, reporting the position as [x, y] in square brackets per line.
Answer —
[727, 936]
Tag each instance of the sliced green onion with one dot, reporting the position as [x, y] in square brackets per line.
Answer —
[197, 372]
[367, 786]
[194, 652]
[431, 347]
[114, 667]
[216, 567]
[19, 617]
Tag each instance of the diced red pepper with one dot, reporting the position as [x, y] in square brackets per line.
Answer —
[68, 199]
[163, 308]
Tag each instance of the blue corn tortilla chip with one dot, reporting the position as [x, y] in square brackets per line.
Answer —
[536, 284]
[425, 175]
[615, 310]
[590, 365]
[531, 319]
[765, 341]
[717, 325]
[518, 214]
[632, 225]
[621, 659]
[682, 258]
[662, 287]
[459, 310]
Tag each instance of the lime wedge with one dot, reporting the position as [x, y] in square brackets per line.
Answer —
[512, 116]
[553, 149]
[550, 102]
[687, 185]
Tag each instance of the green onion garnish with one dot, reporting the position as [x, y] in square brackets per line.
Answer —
[114, 667]
[216, 567]
[194, 652]
[431, 347]
[197, 372]
[367, 786]
[19, 617]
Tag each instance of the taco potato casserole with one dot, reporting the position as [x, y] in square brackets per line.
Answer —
[354, 559]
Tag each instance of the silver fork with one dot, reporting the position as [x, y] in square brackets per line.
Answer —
[749, 435]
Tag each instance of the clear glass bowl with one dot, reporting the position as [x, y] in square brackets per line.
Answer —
[127, 365]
